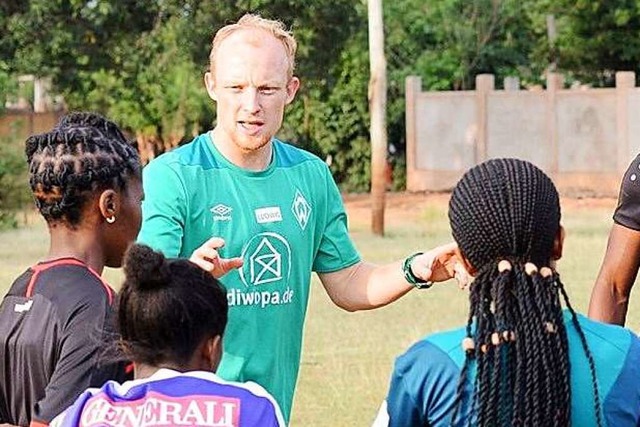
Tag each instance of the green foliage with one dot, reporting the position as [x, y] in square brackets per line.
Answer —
[156, 91]
[596, 38]
[8, 84]
[141, 61]
[14, 191]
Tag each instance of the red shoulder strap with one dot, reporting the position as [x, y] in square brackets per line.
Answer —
[38, 268]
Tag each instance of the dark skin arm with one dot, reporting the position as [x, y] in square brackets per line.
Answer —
[610, 295]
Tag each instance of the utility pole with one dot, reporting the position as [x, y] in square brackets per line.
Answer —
[377, 111]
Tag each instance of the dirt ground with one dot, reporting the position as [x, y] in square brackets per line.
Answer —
[406, 206]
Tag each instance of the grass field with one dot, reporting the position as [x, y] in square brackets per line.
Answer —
[348, 357]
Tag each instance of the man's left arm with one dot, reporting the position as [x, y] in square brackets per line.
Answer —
[364, 286]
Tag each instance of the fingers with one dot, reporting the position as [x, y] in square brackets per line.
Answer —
[440, 264]
[227, 264]
[208, 258]
[461, 275]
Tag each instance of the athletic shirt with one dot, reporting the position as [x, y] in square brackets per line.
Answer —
[55, 322]
[627, 212]
[170, 398]
[425, 379]
[285, 222]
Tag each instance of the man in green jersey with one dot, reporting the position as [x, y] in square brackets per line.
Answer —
[266, 213]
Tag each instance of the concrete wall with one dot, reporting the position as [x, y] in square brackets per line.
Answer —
[584, 139]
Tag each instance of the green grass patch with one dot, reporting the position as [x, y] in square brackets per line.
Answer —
[348, 357]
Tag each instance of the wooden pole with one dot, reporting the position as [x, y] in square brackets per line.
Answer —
[377, 110]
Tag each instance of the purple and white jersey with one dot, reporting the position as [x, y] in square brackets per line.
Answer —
[170, 398]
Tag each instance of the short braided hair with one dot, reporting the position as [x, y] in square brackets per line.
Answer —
[84, 153]
[508, 209]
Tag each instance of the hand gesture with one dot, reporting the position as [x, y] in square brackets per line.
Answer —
[440, 264]
[208, 258]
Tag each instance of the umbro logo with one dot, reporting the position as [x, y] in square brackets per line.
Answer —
[221, 212]
[20, 308]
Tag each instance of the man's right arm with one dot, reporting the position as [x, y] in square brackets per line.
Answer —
[610, 296]
[164, 209]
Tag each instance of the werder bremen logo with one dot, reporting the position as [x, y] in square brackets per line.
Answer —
[301, 209]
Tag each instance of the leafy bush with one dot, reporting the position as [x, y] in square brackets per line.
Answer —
[14, 188]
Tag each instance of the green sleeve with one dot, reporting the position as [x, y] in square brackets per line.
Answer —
[336, 250]
[164, 209]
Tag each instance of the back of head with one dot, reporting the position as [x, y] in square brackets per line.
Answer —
[505, 217]
[256, 23]
[505, 209]
[84, 153]
[167, 307]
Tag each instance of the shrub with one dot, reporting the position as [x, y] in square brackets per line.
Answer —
[14, 189]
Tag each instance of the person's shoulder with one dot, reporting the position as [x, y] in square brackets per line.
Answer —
[288, 155]
[603, 336]
[439, 348]
[627, 212]
[247, 388]
[73, 288]
[194, 153]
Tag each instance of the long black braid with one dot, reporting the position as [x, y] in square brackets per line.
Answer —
[84, 153]
[505, 216]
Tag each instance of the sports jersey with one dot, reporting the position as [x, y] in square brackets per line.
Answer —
[55, 323]
[170, 398]
[285, 222]
[627, 212]
[425, 379]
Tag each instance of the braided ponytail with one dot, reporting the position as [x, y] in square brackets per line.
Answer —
[505, 216]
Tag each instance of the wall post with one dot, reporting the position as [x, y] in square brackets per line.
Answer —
[485, 83]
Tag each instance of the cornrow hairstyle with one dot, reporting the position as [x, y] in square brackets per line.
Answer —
[83, 154]
[508, 209]
[167, 307]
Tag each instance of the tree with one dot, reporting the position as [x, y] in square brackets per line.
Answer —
[595, 38]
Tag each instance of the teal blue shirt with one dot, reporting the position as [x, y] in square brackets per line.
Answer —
[425, 378]
[285, 222]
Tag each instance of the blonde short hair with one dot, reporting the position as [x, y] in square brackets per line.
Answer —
[256, 22]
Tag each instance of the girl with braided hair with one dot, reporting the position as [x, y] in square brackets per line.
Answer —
[521, 360]
[86, 182]
[171, 318]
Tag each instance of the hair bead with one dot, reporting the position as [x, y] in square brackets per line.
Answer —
[530, 268]
[504, 265]
[468, 344]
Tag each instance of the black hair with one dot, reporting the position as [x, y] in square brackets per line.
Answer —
[84, 153]
[505, 216]
[167, 307]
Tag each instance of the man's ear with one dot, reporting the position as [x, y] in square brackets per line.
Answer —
[292, 88]
[109, 204]
[209, 83]
[558, 243]
[465, 262]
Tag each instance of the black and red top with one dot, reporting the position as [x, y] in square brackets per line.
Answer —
[56, 325]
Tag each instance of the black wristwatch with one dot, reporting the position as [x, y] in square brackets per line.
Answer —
[410, 277]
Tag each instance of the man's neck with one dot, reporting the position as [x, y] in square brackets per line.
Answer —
[253, 160]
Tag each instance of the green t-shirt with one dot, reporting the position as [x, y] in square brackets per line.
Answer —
[285, 222]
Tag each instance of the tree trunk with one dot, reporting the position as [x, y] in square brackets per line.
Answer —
[377, 109]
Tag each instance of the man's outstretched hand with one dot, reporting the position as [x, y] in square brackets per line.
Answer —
[208, 258]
